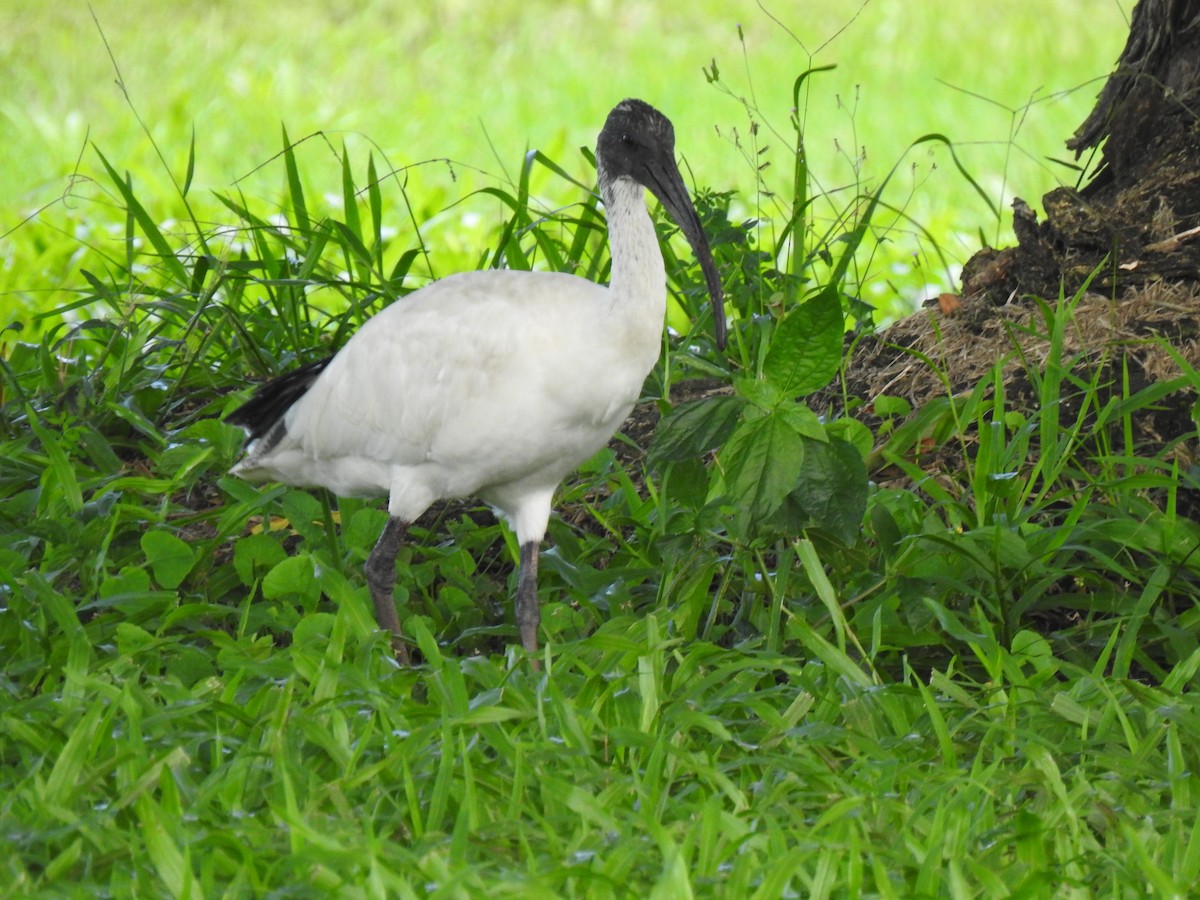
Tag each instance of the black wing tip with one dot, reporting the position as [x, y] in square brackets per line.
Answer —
[267, 405]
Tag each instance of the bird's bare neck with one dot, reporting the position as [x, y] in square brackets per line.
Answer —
[638, 278]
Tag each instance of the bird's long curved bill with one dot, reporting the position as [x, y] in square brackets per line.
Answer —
[666, 183]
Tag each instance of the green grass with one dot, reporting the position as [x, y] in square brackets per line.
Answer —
[762, 675]
[448, 82]
[637, 765]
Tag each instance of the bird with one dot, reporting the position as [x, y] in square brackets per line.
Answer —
[491, 384]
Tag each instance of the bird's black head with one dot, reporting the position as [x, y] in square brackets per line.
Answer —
[636, 138]
[638, 142]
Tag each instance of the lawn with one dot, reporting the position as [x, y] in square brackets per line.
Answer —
[765, 672]
[459, 95]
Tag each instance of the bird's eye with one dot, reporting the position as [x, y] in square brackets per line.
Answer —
[627, 140]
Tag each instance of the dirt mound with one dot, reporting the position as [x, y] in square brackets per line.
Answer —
[1126, 245]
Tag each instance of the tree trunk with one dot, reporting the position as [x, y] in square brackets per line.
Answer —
[1139, 212]
[1133, 230]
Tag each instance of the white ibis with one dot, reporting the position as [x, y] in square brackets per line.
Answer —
[490, 384]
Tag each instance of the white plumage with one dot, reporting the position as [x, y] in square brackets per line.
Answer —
[490, 384]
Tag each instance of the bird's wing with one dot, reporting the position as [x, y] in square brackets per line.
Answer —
[476, 370]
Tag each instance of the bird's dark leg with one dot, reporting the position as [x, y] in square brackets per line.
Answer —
[381, 579]
[529, 613]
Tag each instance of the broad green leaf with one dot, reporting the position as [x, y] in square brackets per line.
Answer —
[132, 639]
[854, 432]
[170, 558]
[762, 460]
[1030, 647]
[832, 488]
[806, 347]
[313, 629]
[766, 395]
[1004, 547]
[805, 422]
[887, 531]
[130, 580]
[304, 514]
[293, 577]
[887, 405]
[693, 428]
[255, 555]
[182, 459]
[686, 483]
[363, 527]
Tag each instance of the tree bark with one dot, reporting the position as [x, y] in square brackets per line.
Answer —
[1131, 234]
[1137, 214]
